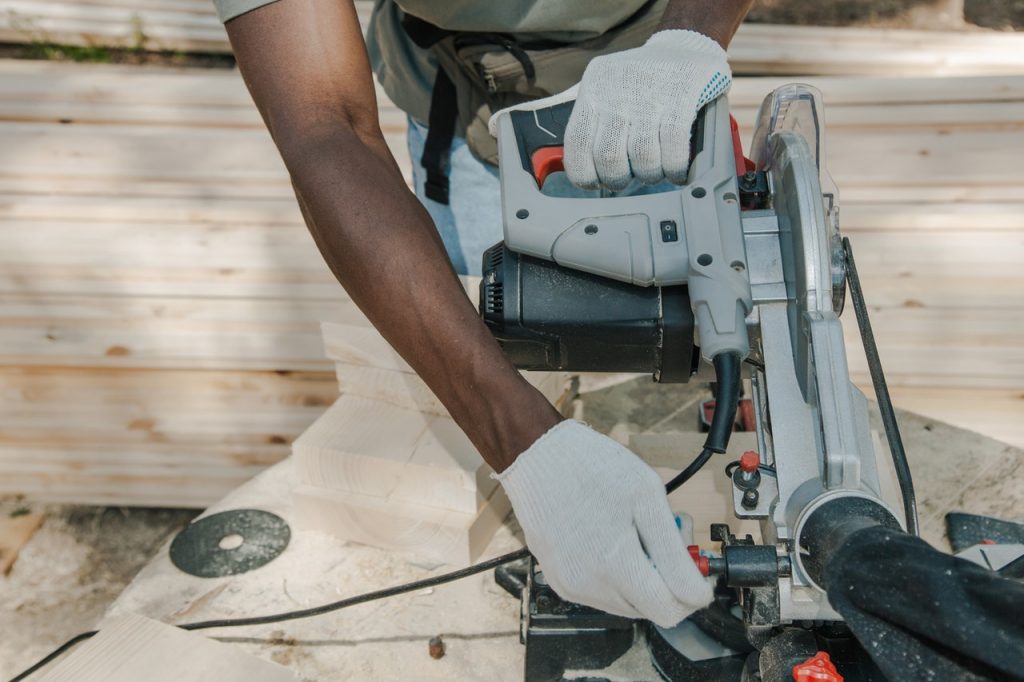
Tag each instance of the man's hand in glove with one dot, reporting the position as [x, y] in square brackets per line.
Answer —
[598, 521]
[634, 110]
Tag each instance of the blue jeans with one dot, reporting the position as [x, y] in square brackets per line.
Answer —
[471, 222]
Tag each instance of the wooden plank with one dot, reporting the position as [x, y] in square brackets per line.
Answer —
[194, 156]
[148, 437]
[91, 160]
[47, 406]
[15, 531]
[199, 95]
[194, 159]
[209, 333]
[132, 648]
[995, 413]
[186, 88]
[129, 96]
[777, 49]
[971, 348]
[971, 253]
[452, 537]
[971, 292]
[163, 259]
[126, 24]
[150, 474]
[169, 245]
[968, 217]
[891, 90]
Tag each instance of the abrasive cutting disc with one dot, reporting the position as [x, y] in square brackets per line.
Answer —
[230, 542]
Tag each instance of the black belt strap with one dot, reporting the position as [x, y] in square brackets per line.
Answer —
[437, 148]
[436, 158]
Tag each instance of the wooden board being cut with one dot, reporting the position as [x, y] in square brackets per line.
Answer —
[133, 648]
[369, 447]
[452, 537]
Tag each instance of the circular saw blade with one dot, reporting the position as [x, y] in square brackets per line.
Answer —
[229, 543]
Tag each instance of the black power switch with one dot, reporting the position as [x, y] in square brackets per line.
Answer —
[669, 233]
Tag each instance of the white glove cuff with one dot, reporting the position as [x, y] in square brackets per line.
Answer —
[681, 39]
[538, 457]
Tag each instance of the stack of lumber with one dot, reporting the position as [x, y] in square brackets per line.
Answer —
[758, 49]
[387, 466]
[160, 299]
[161, 302]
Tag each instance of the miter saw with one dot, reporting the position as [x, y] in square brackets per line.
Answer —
[742, 263]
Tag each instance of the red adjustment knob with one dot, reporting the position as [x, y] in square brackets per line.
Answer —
[749, 461]
[703, 565]
[818, 668]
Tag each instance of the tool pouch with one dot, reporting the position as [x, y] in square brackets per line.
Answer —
[481, 73]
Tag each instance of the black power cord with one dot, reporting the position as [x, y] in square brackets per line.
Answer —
[885, 408]
[728, 383]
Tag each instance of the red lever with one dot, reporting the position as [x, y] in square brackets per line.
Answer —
[703, 565]
[818, 668]
[545, 161]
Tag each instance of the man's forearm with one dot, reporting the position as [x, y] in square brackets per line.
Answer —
[305, 64]
[717, 19]
[383, 248]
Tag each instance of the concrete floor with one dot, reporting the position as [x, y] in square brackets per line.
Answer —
[82, 558]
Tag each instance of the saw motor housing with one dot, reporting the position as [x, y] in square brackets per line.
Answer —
[746, 258]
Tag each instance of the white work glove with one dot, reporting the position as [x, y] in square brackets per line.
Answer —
[598, 521]
[634, 110]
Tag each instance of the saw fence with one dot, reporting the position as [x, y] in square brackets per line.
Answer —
[161, 301]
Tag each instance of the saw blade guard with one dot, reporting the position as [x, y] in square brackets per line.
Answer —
[798, 108]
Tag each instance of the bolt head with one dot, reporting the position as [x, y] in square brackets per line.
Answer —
[750, 498]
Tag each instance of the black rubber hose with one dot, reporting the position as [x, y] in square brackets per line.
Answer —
[728, 382]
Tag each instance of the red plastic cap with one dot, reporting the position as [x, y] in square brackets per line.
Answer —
[818, 668]
[749, 461]
[703, 565]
